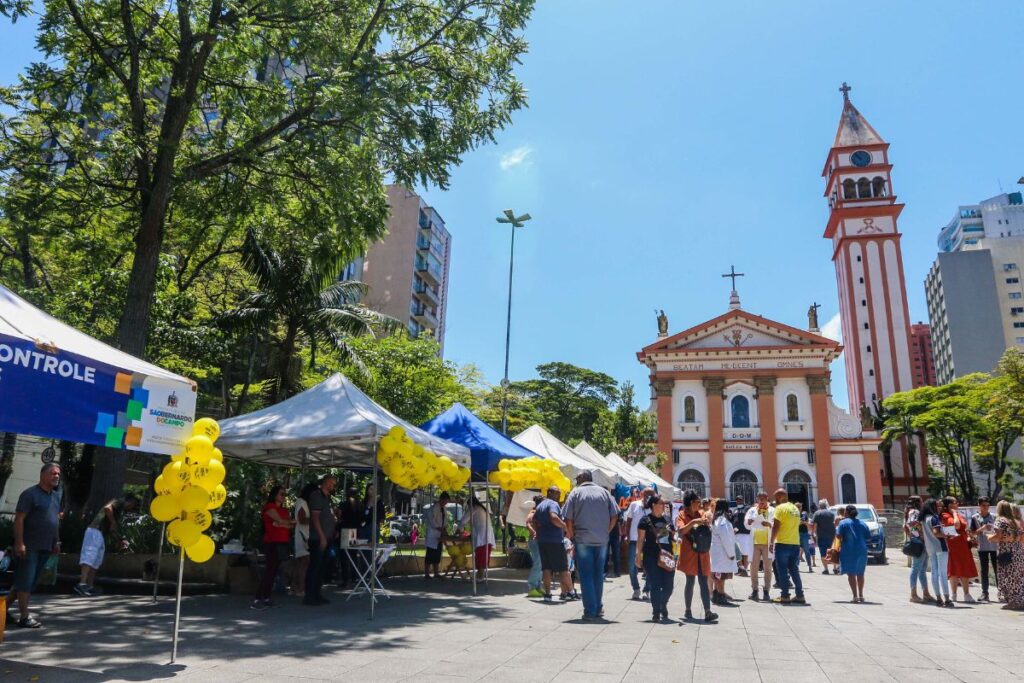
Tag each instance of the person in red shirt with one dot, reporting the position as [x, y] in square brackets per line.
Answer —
[276, 527]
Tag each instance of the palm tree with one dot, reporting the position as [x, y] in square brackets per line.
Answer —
[302, 299]
[878, 419]
[899, 426]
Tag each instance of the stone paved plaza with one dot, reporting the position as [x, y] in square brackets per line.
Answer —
[439, 631]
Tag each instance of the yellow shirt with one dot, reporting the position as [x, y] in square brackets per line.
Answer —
[788, 518]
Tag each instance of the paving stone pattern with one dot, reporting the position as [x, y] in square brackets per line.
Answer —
[437, 631]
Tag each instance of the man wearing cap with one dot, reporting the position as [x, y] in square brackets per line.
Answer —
[590, 513]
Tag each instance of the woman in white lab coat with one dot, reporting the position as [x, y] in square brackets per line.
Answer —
[723, 551]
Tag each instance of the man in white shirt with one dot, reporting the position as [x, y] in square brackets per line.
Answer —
[634, 513]
[759, 520]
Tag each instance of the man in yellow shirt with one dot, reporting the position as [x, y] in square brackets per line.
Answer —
[785, 545]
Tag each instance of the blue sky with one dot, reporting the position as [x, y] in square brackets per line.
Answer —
[666, 140]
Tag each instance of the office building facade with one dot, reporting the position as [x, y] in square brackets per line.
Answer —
[921, 355]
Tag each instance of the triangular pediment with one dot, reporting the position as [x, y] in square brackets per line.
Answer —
[738, 330]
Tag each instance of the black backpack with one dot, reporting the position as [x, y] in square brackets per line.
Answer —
[700, 538]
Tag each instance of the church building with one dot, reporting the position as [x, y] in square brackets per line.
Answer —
[743, 403]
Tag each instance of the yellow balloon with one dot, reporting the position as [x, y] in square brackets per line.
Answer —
[389, 444]
[165, 508]
[209, 475]
[194, 498]
[217, 497]
[405, 449]
[201, 518]
[396, 432]
[177, 472]
[202, 550]
[198, 450]
[207, 427]
[183, 532]
[217, 455]
[178, 457]
[167, 487]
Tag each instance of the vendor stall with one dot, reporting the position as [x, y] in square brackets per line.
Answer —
[334, 424]
[626, 474]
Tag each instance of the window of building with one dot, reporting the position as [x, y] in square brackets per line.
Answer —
[1012, 280]
[792, 408]
[675, 456]
[849, 189]
[811, 456]
[1015, 295]
[878, 186]
[864, 188]
[743, 484]
[740, 407]
[865, 326]
[869, 348]
[1017, 310]
[858, 259]
[1009, 266]
[871, 373]
[848, 487]
[862, 280]
[1019, 325]
[863, 302]
[692, 480]
[689, 409]
[1020, 340]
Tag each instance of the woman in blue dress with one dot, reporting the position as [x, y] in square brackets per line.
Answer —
[853, 552]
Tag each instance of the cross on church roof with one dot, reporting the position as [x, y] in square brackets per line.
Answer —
[845, 89]
[733, 274]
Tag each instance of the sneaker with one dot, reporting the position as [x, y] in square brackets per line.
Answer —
[984, 597]
[948, 603]
[547, 597]
[645, 596]
[258, 605]
[710, 617]
[82, 589]
[688, 615]
[825, 571]
[969, 599]
[636, 595]
[535, 593]
[753, 595]
[29, 622]
[268, 603]
[766, 596]
[799, 600]
[565, 597]
[782, 600]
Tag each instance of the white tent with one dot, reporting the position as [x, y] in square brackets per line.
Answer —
[547, 445]
[333, 424]
[645, 471]
[643, 478]
[590, 454]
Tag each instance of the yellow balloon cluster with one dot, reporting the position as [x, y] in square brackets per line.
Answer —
[529, 473]
[189, 488]
[412, 467]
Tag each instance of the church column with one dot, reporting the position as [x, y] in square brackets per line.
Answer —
[766, 414]
[873, 478]
[663, 394]
[818, 385]
[714, 386]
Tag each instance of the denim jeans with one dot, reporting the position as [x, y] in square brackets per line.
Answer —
[634, 577]
[787, 558]
[590, 561]
[805, 546]
[614, 553]
[661, 583]
[919, 572]
[534, 579]
[940, 566]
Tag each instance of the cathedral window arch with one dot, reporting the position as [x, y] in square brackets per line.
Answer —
[739, 409]
[864, 188]
[878, 186]
[792, 408]
[849, 189]
[689, 410]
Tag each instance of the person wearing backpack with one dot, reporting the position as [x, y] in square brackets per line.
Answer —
[694, 560]
[743, 537]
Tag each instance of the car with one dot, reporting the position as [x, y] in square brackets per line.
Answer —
[876, 525]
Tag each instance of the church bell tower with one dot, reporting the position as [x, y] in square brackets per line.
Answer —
[868, 260]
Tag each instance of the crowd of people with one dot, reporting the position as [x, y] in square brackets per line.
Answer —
[708, 541]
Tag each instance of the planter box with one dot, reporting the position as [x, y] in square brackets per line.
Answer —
[132, 566]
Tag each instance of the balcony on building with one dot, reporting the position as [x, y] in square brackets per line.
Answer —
[428, 268]
[425, 292]
[424, 315]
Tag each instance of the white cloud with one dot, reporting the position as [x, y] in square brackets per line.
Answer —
[833, 329]
[516, 157]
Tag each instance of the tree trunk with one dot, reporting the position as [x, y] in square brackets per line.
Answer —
[109, 469]
[28, 273]
[887, 459]
[7, 459]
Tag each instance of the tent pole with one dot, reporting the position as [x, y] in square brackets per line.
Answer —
[159, 557]
[487, 507]
[373, 539]
[472, 533]
[177, 608]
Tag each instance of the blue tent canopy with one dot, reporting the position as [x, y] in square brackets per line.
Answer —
[486, 444]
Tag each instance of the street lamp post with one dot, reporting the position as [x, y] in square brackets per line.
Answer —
[516, 222]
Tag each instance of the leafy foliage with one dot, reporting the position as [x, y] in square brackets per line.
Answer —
[569, 398]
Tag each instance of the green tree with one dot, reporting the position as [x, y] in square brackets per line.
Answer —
[627, 431]
[409, 377]
[300, 300]
[899, 411]
[522, 412]
[1002, 400]
[570, 398]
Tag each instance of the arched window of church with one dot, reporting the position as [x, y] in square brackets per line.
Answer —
[689, 409]
[864, 188]
[848, 487]
[792, 409]
[740, 411]
[692, 480]
[878, 186]
[849, 189]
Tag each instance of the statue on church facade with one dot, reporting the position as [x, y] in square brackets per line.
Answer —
[662, 322]
[812, 316]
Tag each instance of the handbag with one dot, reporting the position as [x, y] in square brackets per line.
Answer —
[833, 553]
[913, 547]
[666, 561]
